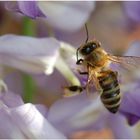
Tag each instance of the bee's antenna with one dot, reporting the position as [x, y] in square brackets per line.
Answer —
[86, 33]
[77, 54]
[85, 41]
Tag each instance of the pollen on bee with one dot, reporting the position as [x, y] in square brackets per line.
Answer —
[72, 91]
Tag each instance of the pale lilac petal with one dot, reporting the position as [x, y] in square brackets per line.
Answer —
[134, 49]
[11, 100]
[42, 109]
[25, 121]
[20, 120]
[68, 16]
[130, 106]
[14, 80]
[28, 8]
[33, 55]
[132, 9]
[31, 122]
[23, 45]
[67, 107]
[12, 6]
[44, 82]
[74, 113]
[8, 128]
[119, 127]
[130, 102]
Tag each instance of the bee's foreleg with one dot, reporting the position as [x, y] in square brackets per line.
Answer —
[79, 62]
[83, 73]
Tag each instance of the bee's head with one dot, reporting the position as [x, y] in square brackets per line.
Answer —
[89, 47]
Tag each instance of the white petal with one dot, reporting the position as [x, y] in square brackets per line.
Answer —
[66, 63]
[69, 15]
[33, 55]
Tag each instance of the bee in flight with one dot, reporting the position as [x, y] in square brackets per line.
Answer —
[97, 61]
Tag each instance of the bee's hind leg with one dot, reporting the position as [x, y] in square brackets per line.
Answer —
[93, 80]
[73, 90]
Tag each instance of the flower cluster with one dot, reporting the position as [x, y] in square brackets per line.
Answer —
[75, 13]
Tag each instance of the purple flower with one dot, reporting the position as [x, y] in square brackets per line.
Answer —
[37, 56]
[28, 8]
[119, 127]
[34, 56]
[19, 120]
[67, 16]
[130, 103]
[130, 107]
[132, 9]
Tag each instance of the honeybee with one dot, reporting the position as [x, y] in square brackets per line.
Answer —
[97, 62]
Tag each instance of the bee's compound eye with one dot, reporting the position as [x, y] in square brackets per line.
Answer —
[88, 48]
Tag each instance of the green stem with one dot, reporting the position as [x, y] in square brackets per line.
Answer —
[28, 27]
[29, 84]
[29, 88]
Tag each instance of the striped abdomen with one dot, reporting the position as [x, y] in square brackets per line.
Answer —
[110, 96]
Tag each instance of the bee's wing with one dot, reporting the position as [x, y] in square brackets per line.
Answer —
[126, 65]
[128, 62]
